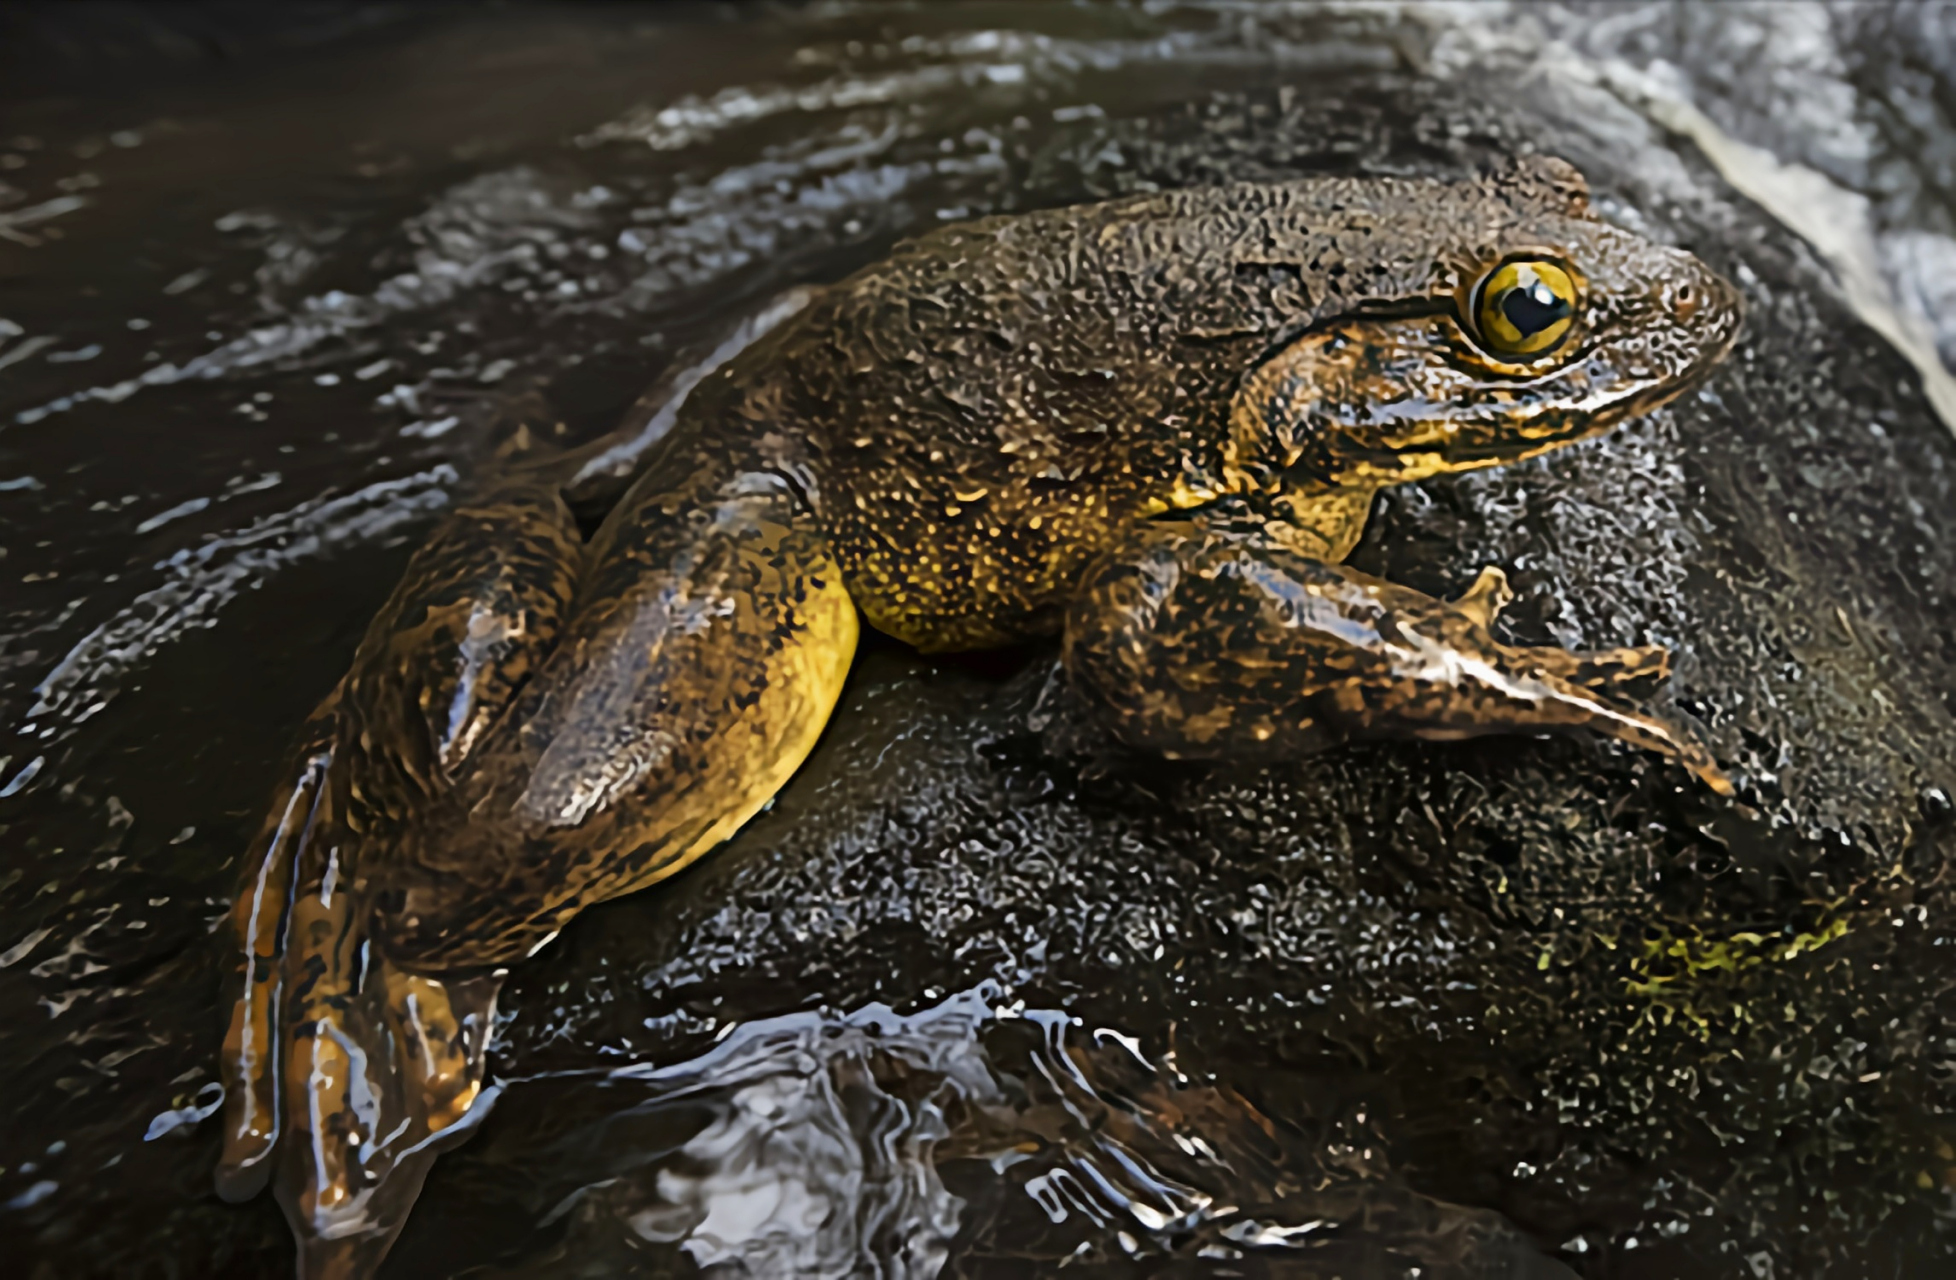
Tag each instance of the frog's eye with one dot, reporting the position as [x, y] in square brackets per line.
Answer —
[1524, 308]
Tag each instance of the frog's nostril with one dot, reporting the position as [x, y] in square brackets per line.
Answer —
[1687, 300]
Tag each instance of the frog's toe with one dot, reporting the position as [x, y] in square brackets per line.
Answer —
[1484, 600]
[383, 1069]
[1612, 683]
[259, 918]
[250, 1064]
[1667, 740]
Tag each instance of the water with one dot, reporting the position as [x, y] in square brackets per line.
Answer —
[973, 999]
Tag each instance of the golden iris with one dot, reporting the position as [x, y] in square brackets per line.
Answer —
[1524, 308]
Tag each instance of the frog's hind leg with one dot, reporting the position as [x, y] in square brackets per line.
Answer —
[352, 1068]
[695, 678]
[529, 727]
[706, 653]
[1208, 637]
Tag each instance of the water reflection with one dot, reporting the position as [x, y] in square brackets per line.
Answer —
[818, 1145]
[813, 1144]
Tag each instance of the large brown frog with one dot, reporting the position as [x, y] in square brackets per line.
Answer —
[1153, 426]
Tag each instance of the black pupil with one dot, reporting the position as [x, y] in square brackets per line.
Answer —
[1531, 308]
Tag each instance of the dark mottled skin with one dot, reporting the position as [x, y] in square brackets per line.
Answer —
[1193, 644]
[1154, 424]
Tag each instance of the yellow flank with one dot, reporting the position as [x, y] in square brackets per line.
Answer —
[775, 737]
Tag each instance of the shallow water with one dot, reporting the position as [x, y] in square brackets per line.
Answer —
[962, 1004]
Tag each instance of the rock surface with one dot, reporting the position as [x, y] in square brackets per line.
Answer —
[1558, 981]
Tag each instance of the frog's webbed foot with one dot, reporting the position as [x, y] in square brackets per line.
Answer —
[347, 1072]
[1211, 638]
[384, 1072]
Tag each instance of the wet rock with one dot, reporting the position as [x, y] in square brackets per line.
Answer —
[1567, 984]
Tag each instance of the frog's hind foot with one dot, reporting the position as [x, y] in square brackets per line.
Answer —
[384, 1072]
[346, 1071]
[491, 766]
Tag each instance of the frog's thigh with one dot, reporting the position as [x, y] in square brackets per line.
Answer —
[1211, 639]
[677, 704]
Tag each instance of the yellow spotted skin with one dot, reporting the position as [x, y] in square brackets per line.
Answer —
[1154, 426]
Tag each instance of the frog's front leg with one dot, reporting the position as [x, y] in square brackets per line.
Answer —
[1610, 673]
[1213, 637]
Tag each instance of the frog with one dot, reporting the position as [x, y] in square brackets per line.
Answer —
[1152, 428]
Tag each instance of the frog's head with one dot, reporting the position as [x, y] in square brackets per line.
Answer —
[1514, 321]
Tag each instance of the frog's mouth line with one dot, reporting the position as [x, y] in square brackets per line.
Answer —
[1571, 427]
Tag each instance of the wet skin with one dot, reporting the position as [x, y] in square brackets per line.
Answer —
[1153, 427]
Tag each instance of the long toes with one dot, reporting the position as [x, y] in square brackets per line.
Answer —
[393, 1077]
[442, 1025]
[1677, 743]
[327, 1077]
[1693, 755]
[250, 1067]
[383, 1065]
[250, 1091]
[1594, 690]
